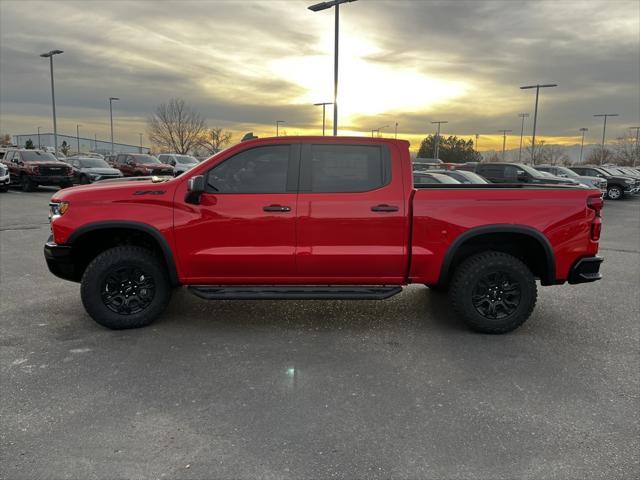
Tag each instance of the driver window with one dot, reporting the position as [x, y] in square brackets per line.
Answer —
[259, 170]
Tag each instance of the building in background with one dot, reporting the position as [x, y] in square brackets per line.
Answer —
[86, 144]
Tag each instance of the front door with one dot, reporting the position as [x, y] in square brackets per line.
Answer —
[244, 229]
[352, 226]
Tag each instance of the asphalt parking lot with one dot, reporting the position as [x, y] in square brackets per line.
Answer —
[344, 389]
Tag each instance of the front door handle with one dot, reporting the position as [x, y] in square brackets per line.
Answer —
[384, 208]
[276, 208]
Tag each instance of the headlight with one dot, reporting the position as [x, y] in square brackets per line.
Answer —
[57, 209]
[628, 181]
[94, 175]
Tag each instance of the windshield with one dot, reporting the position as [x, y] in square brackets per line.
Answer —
[188, 159]
[567, 172]
[146, 159]
[612, 171]
[532, 171]
[468, 177]
[93, 163]
[36, 156]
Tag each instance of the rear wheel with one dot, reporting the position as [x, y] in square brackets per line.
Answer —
[125, 287]
[614, 192]
[493, 292]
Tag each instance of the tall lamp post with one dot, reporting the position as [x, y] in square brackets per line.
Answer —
[436, 146]
[583, 130]
[635, 159]
[78, 136]
[140, 142]
[50, 55]
[278, 122]
[111, 99]
[504, 141]
[604, 131]
[317, 8]
[523, 116]
[324, 106]
[39, 138]
[395, 135]
[535, 116]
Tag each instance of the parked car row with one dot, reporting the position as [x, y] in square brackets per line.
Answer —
[613, 181]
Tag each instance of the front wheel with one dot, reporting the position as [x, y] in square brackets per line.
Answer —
[27, 184]
[614, 192]
[125, 287]
[493, 292]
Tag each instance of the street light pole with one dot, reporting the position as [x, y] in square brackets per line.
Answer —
[635, 159]
[583, 129]
[395, 135]
[39, 138]
[436, 146]
[95, 141]
[78, 137]
[111, 99]
[604, 131]
[50, 55]
[523, 115]
[140, 142]
[323, 6]
[324, 106]
[278, 122]
[504, 141]
[535, 116]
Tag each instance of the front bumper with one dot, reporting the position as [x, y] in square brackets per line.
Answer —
[5, 179]
[586, 270]
[51, 179]
[60, 260]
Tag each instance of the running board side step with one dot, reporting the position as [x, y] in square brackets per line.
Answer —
[293, 292]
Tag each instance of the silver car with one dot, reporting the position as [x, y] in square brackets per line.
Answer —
[564, 172]
[180, 163]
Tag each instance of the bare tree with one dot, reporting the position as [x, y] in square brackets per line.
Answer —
[539, 149]
[599, 156]
[215, 139]
[554, 155]
[6, 140]
[176, 126]
[624, 150]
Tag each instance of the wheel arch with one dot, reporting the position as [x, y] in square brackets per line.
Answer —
[124, 231]
[512, 239]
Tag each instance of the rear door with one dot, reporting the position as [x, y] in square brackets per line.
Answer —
[352, 225]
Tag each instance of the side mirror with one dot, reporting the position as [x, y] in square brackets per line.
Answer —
[172, 163]
[129, 162]
[195, 188]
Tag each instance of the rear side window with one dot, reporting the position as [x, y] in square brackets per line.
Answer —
[344, 168]
[491, 171]
[259, 170]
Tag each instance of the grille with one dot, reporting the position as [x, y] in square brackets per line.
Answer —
[52, 170]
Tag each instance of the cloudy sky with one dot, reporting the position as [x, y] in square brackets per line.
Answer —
[243, 65]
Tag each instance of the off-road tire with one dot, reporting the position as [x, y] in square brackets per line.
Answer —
[441, 289]
[614, 192]
[99, 270]
[27, 184]
[467, 278]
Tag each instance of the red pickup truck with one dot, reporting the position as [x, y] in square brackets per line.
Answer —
[319, 218]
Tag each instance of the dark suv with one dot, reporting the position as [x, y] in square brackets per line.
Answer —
[617, 185]
[30, 168]
[518, 173]
[140, 164]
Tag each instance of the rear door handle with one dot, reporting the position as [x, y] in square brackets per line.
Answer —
[384, 208]
[276, 208]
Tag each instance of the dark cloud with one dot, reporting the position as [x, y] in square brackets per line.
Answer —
[217, 55]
